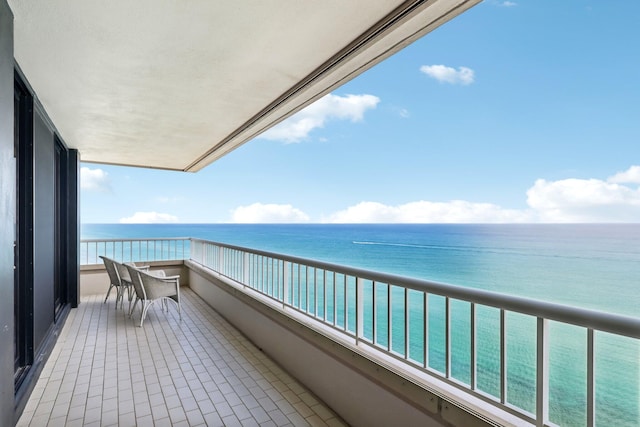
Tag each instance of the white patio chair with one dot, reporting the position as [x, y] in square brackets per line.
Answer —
[125, 277]
[154, 287]
[114, 280]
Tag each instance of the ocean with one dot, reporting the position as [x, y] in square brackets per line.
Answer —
[583, 265]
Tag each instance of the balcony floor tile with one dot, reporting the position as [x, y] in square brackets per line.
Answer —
[104, 370]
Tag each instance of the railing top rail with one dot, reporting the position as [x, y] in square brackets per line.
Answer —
[134, 239]
[598, 320]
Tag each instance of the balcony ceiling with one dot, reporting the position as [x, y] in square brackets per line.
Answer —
[177, 84]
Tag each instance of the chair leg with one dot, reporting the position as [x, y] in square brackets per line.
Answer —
[130, 296]
[118, 291]
[145, 308]
[108, 292]
[134, 306]
[177, 303]
[128, 290]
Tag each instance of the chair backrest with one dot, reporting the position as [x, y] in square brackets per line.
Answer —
[157, 286]
[112, 271]
[134, 275]
[124, 272]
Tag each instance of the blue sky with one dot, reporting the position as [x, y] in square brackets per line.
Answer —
[516, 111]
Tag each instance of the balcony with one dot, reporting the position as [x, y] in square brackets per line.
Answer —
[134, 94]
[364, 348]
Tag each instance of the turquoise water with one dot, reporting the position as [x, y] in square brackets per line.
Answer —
[590, 266]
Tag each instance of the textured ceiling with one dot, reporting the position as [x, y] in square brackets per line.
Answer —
[176, 84]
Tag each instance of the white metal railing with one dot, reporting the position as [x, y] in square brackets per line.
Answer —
[509, 351]
[132, 250]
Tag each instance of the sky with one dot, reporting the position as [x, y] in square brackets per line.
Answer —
[524, 111]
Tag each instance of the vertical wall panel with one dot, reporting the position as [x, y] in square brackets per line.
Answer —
[44, 228]
[7, 215]
[73, 227]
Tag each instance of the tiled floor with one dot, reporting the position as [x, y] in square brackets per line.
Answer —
[106, 371]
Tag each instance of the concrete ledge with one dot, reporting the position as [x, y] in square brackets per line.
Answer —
[364, 391]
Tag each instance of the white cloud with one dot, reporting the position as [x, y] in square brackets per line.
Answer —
[584, 200]
[149, 218]
[630, 176]
[94, 180]
[561, 201]
[444, 74]
[268, 213]
[297, 127]
[456, 211]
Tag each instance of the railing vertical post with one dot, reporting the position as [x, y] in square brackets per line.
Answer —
[245, 268]
[406, 323]
[474, 354]
[259, 272]
[306, 289]
[503, 357]
[275, 278]
[315, 292]
[335, 300]
[324, 294]
[359, 309]
[542, 372]
[270, 277]
[447, 336]
[591, 378]
[264, 278]
[374, 313]
[389, 321]
[345, 306]
[279, 280]
[298, 289]
[221, 260]
[286, 265]
[425, 310]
